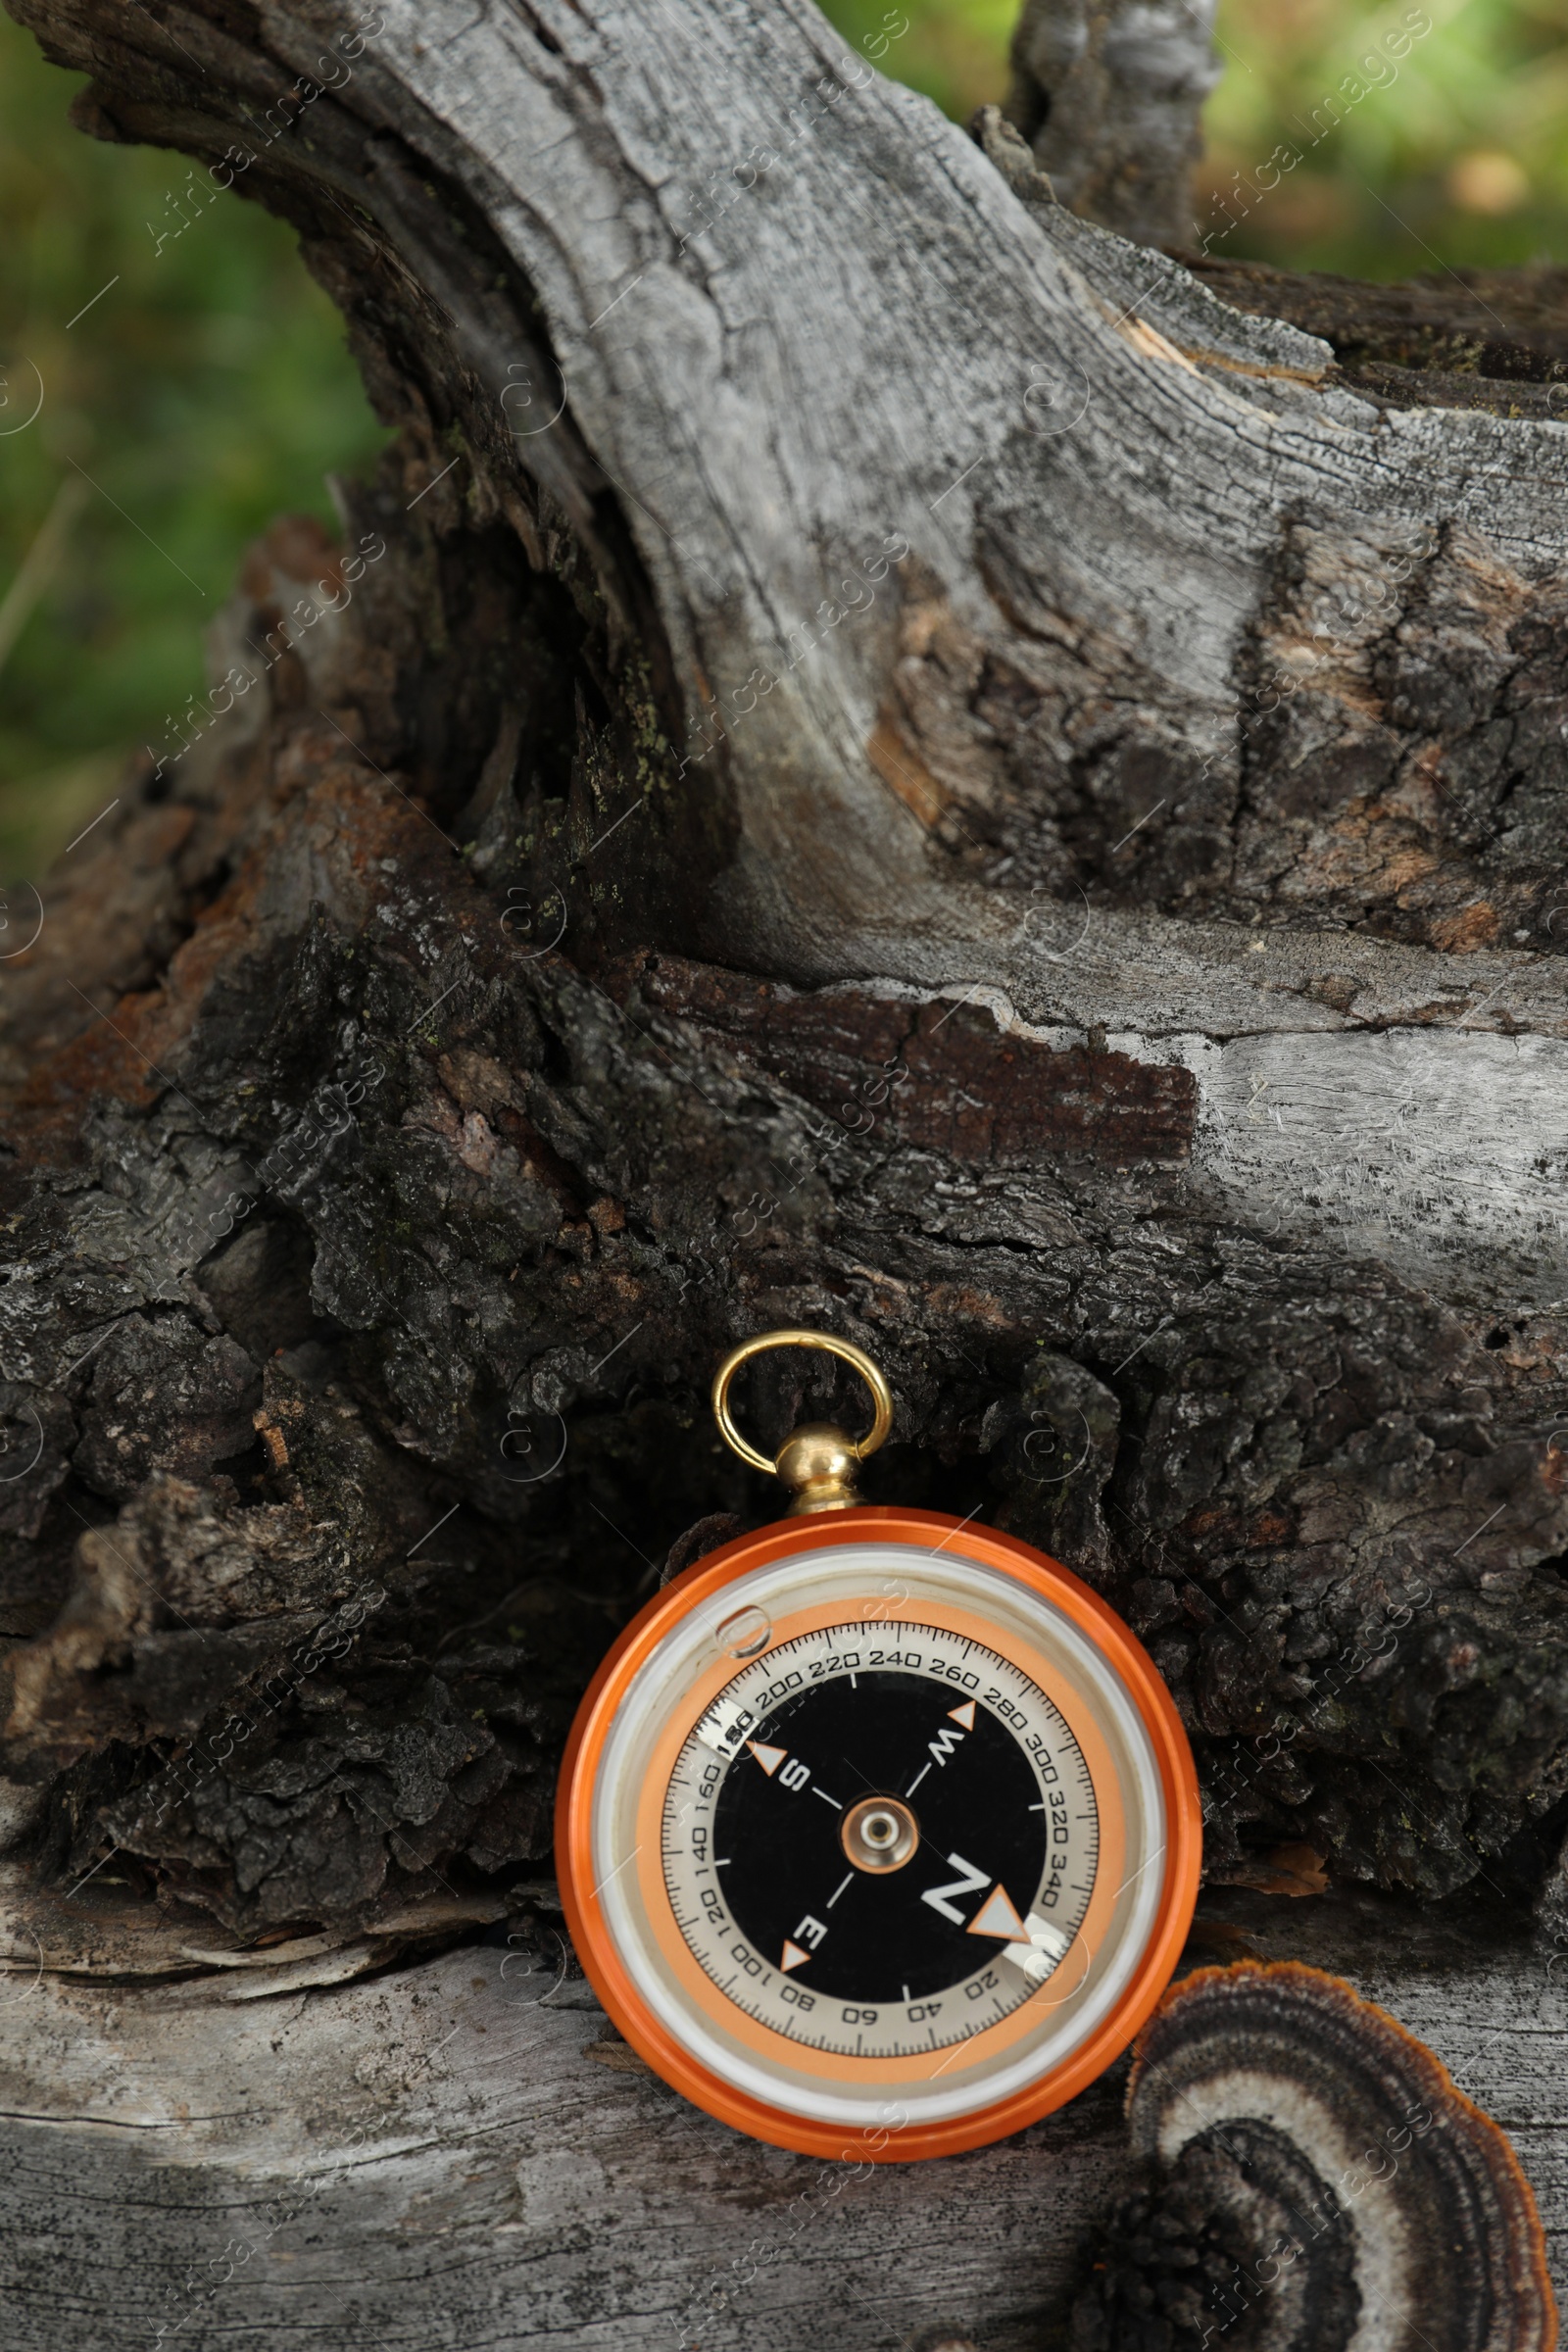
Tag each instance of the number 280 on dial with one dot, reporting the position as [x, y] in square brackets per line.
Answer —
[878, 1835]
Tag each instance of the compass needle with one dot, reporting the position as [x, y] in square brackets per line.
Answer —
[1017, 1782]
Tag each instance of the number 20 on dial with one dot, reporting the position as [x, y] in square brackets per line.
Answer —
[878, 1831]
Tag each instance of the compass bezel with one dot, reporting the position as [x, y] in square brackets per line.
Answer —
[600, 1952]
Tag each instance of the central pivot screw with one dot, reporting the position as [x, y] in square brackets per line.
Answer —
[879, 1832]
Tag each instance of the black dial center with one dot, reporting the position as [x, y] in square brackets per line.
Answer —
[864, 1935]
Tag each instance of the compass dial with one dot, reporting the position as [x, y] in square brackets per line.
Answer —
[878, 1834]
[790, 1803]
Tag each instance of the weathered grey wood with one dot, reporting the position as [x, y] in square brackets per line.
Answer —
[431, 2124]
[438, 2157]
[1131, 462]
[1138, 484]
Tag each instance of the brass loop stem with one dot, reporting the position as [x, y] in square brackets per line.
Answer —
[881, 1395]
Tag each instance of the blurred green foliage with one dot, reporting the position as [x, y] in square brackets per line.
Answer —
[205, 386]
[953, 50]
[1456, 153]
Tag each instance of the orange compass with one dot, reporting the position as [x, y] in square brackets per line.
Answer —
[878, 1832]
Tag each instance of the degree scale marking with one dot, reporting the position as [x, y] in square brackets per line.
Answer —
[1008, 1974]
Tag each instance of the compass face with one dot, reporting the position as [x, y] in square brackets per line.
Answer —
[878, 1836]
[854, 1746]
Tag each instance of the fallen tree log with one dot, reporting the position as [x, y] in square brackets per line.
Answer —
[463, 2153]
[874, 755]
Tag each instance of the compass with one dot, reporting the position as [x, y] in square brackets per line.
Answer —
[878, 1831]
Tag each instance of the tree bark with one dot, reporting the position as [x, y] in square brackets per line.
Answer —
[874, 754]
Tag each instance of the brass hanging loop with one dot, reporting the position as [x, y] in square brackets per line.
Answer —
[816, 1461]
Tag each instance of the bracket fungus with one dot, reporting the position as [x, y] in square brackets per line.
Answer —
[1319, 2185]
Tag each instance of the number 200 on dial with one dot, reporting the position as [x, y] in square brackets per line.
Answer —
[878, 1836]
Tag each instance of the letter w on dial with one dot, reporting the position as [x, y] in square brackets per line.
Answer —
[938, 1897]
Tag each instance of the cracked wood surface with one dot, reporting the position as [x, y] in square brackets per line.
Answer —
[309, 2170]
